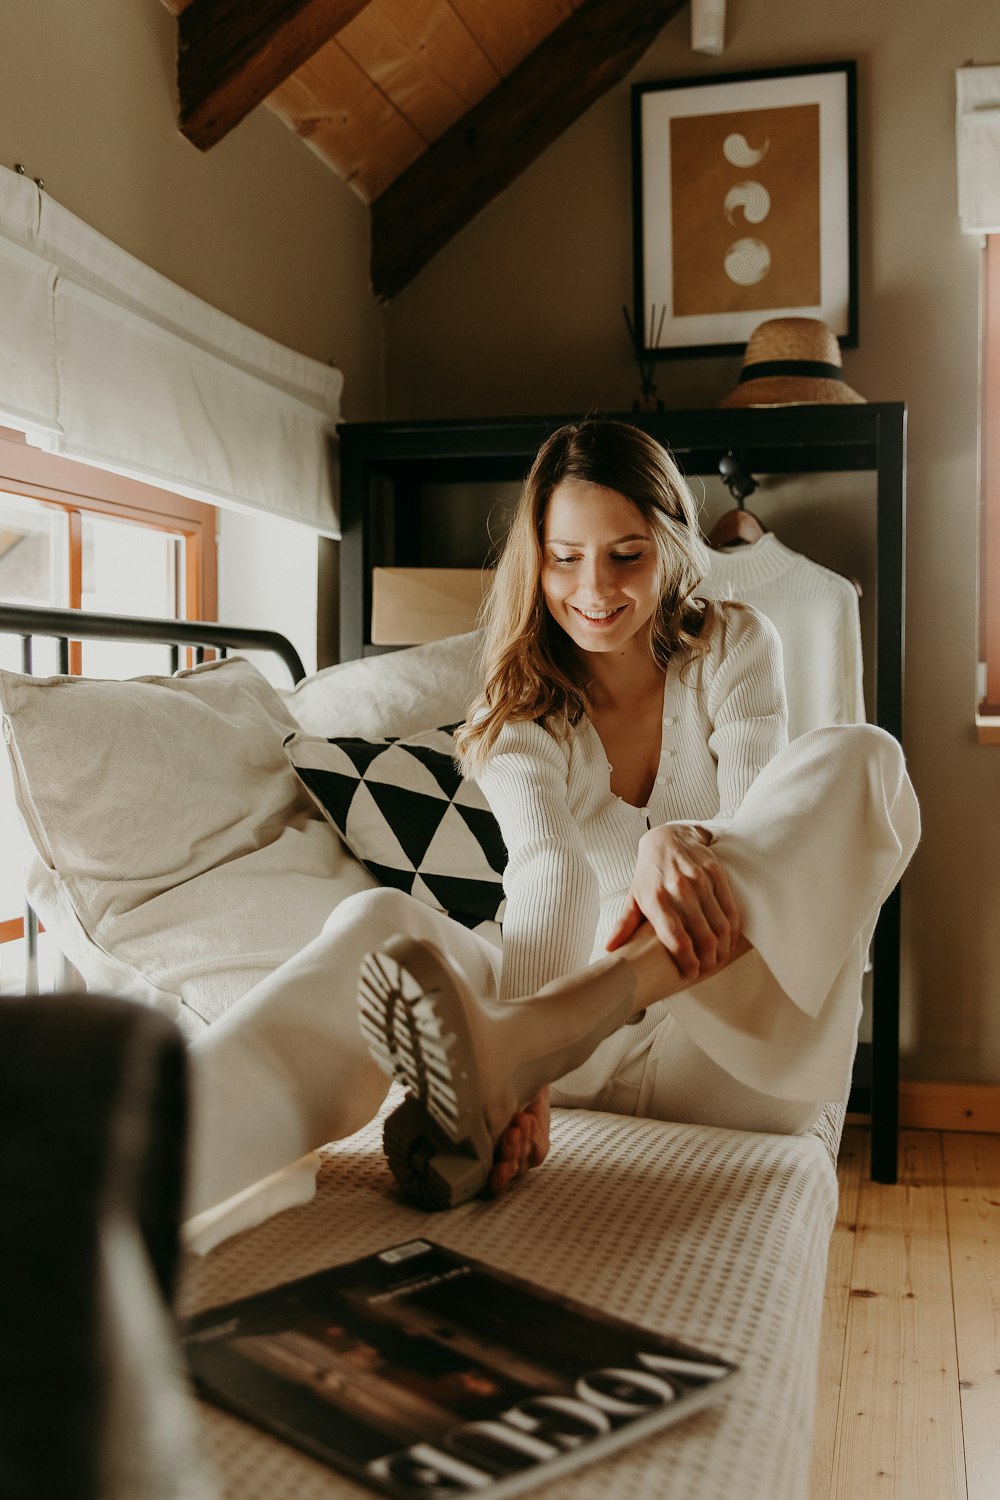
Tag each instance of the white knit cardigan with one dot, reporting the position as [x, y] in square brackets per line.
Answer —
[572, 843]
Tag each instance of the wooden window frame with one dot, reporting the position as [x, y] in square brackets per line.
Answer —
[12, 930]
[988, 692]
[77, 489]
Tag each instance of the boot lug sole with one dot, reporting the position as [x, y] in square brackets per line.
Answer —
[412, 1017]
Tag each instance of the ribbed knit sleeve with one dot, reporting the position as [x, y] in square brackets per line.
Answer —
[551, 887]
[746, 704]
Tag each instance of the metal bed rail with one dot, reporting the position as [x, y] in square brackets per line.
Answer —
[66, 625]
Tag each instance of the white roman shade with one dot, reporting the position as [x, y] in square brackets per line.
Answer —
[108, 362]
[978, 143]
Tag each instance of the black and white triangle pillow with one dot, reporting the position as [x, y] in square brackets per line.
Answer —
[404, 809]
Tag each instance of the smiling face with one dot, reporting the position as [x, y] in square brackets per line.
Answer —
[600, 568]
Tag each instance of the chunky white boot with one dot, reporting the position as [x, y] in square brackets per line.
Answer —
[470, 1064]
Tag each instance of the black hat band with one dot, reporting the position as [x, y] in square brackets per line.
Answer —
[810, 367]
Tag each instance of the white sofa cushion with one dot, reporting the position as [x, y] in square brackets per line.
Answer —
[397, 692]
[179, 858]
[128, 788]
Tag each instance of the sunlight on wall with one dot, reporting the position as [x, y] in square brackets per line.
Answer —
[267, 578]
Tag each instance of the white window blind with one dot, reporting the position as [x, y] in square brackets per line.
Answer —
[106, 361]
[978, 144]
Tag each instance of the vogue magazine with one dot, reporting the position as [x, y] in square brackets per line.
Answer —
[424, 1373]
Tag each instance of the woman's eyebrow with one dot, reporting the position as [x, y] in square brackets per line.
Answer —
[561, 541]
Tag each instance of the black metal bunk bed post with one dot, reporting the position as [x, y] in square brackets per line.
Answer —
[889, 662]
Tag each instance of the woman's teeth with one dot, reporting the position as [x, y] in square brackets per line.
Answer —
[599, 614]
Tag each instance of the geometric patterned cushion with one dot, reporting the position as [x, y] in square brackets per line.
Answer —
[404, 809]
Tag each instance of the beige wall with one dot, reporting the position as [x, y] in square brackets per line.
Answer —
[258, 226]
[522, 313]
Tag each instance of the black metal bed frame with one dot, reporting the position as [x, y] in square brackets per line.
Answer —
[66, 625]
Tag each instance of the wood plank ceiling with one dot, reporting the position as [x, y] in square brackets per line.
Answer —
[426, 108]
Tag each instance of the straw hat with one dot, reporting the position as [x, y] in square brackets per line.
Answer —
[791, 362]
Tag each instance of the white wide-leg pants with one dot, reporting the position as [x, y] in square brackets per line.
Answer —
[286, 1069]
[818, 843]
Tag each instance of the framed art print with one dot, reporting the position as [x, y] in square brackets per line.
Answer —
[744, 206]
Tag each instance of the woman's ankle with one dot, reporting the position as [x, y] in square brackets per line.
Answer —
[656, 975]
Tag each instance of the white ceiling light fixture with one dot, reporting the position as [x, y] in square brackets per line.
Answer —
[708, 26]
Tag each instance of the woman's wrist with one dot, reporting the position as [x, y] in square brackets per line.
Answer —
[701, 833]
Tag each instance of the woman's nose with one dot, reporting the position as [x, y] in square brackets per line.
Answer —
[597, 577]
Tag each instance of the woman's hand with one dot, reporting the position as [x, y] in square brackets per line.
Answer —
[523, 1145]
[682, 890]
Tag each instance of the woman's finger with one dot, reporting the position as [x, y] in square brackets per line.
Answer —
[501, 1176]
[507, 1159]
[726, 899]
[710, 911]
[669, 926]
[539, 1115]
[706, 943]
[690, 920]
[626, 927]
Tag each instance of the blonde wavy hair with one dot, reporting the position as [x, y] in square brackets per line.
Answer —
[530, 670]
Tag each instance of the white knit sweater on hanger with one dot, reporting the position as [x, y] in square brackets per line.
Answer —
[815, 612]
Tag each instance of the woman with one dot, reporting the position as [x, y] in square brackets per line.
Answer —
[631, 740]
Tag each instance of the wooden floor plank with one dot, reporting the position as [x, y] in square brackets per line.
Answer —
[972, 1186]
[900, 1432]
[852, 1164]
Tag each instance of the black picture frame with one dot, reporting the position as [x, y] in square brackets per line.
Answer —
[700, 285]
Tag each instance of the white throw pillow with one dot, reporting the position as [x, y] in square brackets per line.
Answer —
[397, 692]
[129, 787]
[180, 859]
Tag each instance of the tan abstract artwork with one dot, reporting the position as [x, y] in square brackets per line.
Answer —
[745, 210]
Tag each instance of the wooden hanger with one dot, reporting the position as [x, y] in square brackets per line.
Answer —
[736, 528]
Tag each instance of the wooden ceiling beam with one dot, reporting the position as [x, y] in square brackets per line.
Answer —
[500, 136]
[232, 53]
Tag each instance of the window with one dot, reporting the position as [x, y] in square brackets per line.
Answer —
[988, 715]
[81, 538]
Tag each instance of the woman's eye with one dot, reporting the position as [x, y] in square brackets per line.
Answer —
[565, 559]
[626, 557]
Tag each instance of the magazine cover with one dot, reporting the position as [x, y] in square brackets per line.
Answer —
[424, 1373]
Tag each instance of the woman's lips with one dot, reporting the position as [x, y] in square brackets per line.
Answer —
[600, 618]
